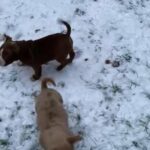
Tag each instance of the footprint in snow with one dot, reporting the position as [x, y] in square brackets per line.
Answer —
[78, 53]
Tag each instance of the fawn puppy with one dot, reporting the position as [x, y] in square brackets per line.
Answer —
[52, 120]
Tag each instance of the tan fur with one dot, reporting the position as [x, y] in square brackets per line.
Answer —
[52, 120]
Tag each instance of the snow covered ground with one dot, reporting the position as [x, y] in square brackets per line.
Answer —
[109, 106]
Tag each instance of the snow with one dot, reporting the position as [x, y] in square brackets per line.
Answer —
[108, 106]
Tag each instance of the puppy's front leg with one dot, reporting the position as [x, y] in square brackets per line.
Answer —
[37, 75]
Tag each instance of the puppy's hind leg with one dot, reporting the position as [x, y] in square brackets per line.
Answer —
[63, 62]
[72, 55]
[37, 75]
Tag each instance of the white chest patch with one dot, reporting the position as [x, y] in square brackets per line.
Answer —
[68, 56]
[2, 61]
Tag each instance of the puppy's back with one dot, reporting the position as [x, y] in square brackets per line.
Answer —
[49, 101]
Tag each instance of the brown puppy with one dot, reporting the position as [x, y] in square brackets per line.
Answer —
[52, 120]
[35, 53]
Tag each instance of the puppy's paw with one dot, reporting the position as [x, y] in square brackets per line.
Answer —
[59, 68]
[20, 63]
[34, 78]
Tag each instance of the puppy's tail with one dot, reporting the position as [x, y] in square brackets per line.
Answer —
[45, 81]
[67, 25]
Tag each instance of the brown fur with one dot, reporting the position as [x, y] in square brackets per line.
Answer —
[52, 120]
[35, 53]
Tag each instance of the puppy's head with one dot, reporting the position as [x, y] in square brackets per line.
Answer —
[8, 51]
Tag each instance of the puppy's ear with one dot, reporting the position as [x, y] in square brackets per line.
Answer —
[7, 38]
[74, 138]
